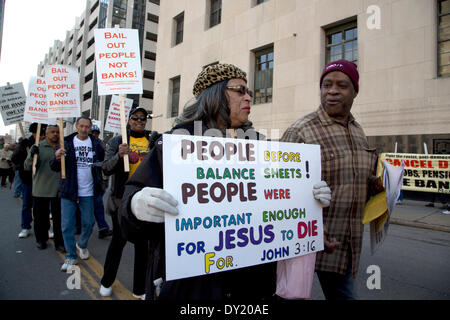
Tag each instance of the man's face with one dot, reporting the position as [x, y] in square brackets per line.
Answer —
[95, 134]
[337, 95]
[137, 121]
[52, 135]
[83, 128]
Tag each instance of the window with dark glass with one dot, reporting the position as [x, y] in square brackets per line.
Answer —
[263, 75]
[154, 2]
[90, 59]
[93, 23]
[147, 94]
[150, 55]
[175, 96]
[149, 75]
[342, 43]
[88, 77]
[215, 14]
[151, 36]
[152, 18]
[260, 1]
[87, 95]
[179, 28]
[444, 38]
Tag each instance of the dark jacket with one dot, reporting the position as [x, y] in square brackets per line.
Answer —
[256, 282]
[18, 158]
[113, 164]
[68, 187]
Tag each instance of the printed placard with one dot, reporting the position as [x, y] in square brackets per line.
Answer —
[241, 203]
[118, 61]
[12, 103]
[36, 104]
[113, 119]
[423, 172]
[63, 91]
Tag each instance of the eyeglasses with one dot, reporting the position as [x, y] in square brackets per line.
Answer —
[139, 118]
[241, 89]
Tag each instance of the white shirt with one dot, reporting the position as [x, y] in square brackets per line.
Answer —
[85, 159]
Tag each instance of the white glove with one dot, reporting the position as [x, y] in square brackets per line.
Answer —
[150, 204]
[322, 193]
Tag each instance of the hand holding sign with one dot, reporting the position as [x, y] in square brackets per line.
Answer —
[150, 204]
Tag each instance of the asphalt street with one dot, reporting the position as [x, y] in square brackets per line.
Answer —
[413, 264]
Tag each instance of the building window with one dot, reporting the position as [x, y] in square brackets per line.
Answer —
[215, 13]
[149, 75]
[342, 43]
[444, 38]
[90, 59]
[151, 36]
[150, 55]
[88, 77]
[93, 23]
[147, 94]
[152, 18]
[259, 2]
[87, 95]
[179, 28]
[263, 75]
[175, 96]
[154, 2]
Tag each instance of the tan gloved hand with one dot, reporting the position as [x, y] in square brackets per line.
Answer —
[322, 193]
[150, 204]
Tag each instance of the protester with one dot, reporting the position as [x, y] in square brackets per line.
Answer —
[45, 190]
[6, 170]
[83, 157]
[99, 209]
[17, 189]
[18, 158]
[348, 165]
[137, 147]
[222, 102]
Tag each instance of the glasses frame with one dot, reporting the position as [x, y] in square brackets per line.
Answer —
[136, 118]
[241, 89]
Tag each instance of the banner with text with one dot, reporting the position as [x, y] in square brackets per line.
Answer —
[36, 105]
[63, 91]
[113, 120]
[423, 172]
[118, 61]
[12, 103]
[241, 203]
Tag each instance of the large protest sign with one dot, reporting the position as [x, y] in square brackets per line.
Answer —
[63, 91]
[36, 104]
[241, 203]
[113, 119]
[423, 172]
[118, 61]
[12, 103]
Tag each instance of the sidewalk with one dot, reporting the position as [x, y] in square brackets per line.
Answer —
[415, 214]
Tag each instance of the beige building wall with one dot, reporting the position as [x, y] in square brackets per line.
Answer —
[400, 93]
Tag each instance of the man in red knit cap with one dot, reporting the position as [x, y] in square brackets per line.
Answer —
[348, 167]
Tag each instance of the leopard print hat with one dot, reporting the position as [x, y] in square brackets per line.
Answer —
[216, 73]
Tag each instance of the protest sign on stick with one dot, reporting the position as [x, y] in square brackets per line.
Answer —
[12, 104]
[118, 64]
[63, 97]
[36, 108]
[241, 203]
[112, 123]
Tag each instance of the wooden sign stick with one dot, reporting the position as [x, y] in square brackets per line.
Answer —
[36, 143]
[123, 126]
[61, 143]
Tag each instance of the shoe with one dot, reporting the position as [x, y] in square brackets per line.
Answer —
[430, 205]
[105, 292]
[60, 249]
[24, 233]
[41, 245]
[139, 296]
[446, 212]
[84, 253]
[68, 263]
[104, 233]
[50, 234]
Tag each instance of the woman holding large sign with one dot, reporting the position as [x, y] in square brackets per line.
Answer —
[222, 103]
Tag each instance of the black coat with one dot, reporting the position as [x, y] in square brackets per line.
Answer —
[68, 187]
[256, 282]
[18, 158]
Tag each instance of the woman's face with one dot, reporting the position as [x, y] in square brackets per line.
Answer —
[238, 102]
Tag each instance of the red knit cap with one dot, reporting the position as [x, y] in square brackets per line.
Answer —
[347, 67]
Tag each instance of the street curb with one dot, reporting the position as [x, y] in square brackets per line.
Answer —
[419, 225]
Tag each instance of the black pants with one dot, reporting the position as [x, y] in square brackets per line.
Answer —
[114, 255]
[7, 174]
[41, 213]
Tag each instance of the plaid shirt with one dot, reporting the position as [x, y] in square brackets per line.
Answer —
[347, 166]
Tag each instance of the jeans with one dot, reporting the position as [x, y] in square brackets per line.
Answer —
[68, 223]
[99, 212]
[18, 185]
[336, 286]
[27, 204]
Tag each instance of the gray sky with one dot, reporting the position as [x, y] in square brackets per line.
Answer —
[29, 30]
